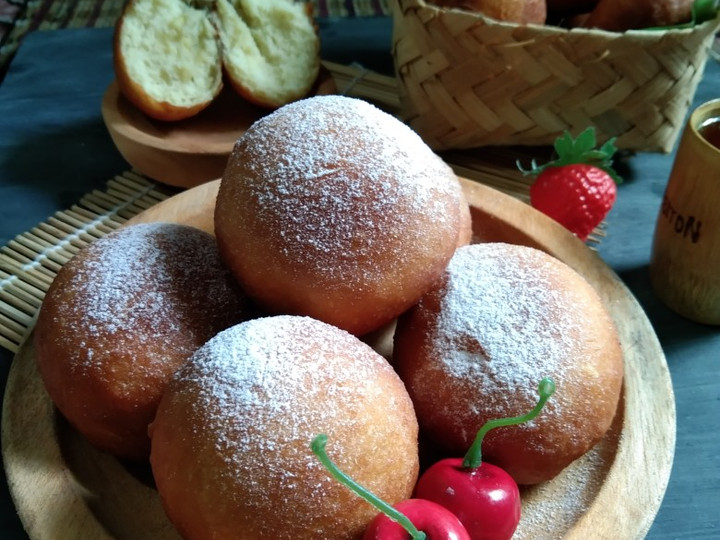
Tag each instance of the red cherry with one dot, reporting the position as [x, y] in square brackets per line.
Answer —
[413, 518]
[436, 522]
[485, 499]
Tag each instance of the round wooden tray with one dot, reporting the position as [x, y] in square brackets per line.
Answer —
[63, 487]
[188, 152]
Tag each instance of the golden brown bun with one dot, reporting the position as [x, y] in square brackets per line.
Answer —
[166, 58]
[621, 15]
[120, 318]
[334, 209]
[231, 450]
[517, 11]
[270, 49]
[475, 348]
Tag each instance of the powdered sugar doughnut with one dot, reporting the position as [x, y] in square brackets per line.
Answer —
[476, 346]
[231, 441]
[334, 209]
[120, 317]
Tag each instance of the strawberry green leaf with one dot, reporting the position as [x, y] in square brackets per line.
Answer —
[581, 149]
[564, 144]
[609, 148]
[585, 141]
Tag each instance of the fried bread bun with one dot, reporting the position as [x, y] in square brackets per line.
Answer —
[120, 317]
[231, 450]
[334, 209]
[167, 58]
[475, 348]
[270, 49]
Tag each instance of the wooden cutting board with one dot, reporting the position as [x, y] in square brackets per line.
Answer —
[63, 488]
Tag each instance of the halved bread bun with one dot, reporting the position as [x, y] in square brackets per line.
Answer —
[167, 58]
[270, 49]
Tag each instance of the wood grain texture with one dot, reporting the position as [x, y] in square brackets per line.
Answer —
[64, 488]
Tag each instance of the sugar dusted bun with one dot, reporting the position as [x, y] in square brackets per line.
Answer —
[334, 209]
[475, 348]
[270, 49]
[120, 317]
[167, 58]
[231, 450]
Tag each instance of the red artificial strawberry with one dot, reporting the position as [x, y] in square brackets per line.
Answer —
[578, 188]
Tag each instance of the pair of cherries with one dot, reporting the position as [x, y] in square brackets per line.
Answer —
[455, 498]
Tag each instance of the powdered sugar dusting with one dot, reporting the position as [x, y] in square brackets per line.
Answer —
[158, 287]
[345, 184]
[498, 318]
[552, 508]
[264, 389]
[504, 323]
[277, 371]
[503, 327]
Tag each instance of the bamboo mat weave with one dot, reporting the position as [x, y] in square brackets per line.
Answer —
[29, 262]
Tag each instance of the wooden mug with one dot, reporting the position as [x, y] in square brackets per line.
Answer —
[685, 261]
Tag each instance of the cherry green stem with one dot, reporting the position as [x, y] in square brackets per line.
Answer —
[318, 448]
[473, 457]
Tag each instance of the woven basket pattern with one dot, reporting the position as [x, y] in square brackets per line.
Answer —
[466, 80]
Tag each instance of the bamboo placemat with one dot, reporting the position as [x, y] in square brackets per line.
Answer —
[30, 261]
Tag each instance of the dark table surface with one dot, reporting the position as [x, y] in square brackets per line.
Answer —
[54, 148]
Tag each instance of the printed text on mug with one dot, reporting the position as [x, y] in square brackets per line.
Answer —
[687, 226]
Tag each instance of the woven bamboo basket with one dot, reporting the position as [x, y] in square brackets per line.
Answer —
[466, 80]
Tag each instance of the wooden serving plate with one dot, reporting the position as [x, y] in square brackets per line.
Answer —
[188, 152]
[62, 487]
